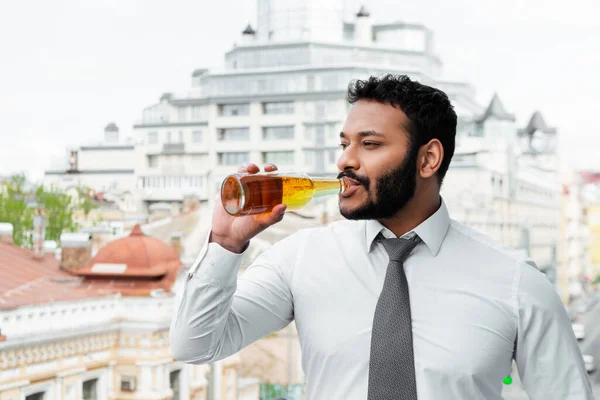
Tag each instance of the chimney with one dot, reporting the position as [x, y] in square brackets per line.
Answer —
[363, 29]
[39, 232]
[111, 133]
[76, 250]
[6, 232]
[176, 242]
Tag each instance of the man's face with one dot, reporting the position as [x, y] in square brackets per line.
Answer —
[378, 160]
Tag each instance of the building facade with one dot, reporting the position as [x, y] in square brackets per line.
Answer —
[96, 328]
[281, 97]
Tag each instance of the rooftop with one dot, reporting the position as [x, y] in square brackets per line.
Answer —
[131, 266]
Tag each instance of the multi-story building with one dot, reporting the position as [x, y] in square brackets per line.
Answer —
[281, 97]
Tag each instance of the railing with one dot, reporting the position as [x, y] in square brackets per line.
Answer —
[173, 148]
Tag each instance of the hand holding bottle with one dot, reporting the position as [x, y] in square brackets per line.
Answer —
[234, 233]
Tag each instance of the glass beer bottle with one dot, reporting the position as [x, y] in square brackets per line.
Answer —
[245, 194]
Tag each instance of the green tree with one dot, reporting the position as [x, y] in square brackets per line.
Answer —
[13, 207]
[58, 210]
[16, 208]
[86, 203]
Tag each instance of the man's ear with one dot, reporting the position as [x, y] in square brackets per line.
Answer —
[431, 156]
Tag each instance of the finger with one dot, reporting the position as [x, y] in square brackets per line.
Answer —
[277, 213]
[273, 217]
[253, 168]
[270, 167]
[243, 168]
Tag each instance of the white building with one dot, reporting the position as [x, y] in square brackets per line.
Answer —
[281, 97]
[108, 166]
[504, 181]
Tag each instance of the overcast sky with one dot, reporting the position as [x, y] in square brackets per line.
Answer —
[68, 67]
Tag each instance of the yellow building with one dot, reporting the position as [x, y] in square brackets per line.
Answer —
[593, 213]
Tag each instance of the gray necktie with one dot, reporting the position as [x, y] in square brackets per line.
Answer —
[392, 361]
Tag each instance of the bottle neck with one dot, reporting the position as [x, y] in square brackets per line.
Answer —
[327, 186]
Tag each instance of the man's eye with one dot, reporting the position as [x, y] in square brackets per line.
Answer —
[343, 146]
[370, 144]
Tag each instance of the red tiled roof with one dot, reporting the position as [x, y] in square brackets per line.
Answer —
[29, 281]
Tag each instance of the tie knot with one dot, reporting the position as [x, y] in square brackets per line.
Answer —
[399, 248]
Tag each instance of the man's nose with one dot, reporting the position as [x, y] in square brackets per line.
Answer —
[348, 160]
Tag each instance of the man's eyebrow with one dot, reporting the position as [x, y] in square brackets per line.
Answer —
[363, 134]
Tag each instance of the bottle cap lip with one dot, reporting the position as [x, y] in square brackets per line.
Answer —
[344, 184]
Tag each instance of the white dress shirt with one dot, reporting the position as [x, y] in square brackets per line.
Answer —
[474, 302]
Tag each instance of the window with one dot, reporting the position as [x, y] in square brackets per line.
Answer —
[197, 136]
[310, 83]
[152, 137]
[198, 113]
[36, 396]
[234, 158]
[182, 114]
[320, 110]
[320, 131]
[278, 108]
[180, 137]
[278, 132]
[168, 137]
[90, 390]
[332, 156]
[309, 157]
[309, 132]
[152, 161]
[334, 132]
[128, 383]
[233, 110]
[174, 379]
[233, 134]
[278, 157]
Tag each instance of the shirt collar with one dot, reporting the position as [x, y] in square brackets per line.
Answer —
[432, 231]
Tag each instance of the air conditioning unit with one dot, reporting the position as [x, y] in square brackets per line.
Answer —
[128, 383]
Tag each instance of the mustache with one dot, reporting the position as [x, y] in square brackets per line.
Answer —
[363, 180]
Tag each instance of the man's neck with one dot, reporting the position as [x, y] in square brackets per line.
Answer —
[413, 214]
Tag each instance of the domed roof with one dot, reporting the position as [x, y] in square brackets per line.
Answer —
[135, 256]
[111, 127]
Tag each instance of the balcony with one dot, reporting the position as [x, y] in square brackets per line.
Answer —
[172, 187]
[173, 148]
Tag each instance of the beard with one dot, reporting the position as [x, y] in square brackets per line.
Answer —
[392, 190]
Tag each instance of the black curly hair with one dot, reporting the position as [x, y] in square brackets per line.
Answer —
[429, 111]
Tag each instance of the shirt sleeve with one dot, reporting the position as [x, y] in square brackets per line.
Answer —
[548, 358]
[219, 314]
